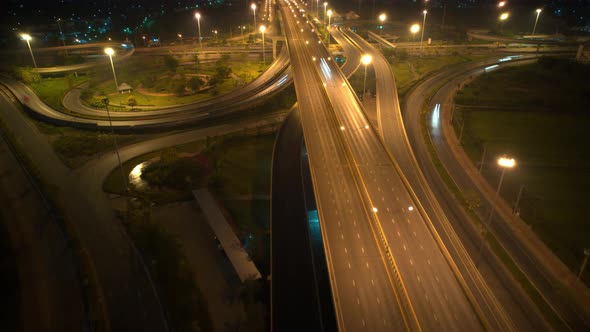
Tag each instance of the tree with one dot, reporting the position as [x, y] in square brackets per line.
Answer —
[195, 83]
[171, 62]
[179, 89]
[196, 60]
[27, 74]
[222, 71]
[132, 102]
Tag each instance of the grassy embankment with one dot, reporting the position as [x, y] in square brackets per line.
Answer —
[537, 114]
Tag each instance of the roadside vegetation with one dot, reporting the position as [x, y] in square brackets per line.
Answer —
[537, 114]
[52, 89]
[174, 79]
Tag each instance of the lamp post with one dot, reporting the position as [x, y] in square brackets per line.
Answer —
[317, 8]
[503, 18]
[28, 38]
[328, 27]
[325, 6]
[215, 33]
[198, 17]
[109, 51]
[423, 27]
[505, 163]
[382, 19]
[106, 105]
[180, 37]
[538, 11]
[262, 30]
[414, 29]
[61, 35]
[253, 6]
[366, 59]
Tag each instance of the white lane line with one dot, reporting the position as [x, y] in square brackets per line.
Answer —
[367, 265]
[346, 250]
[382, 199]
[378, 301]
[414, 234]
[392, 221]
[358, 301]
[411, 262]
[353, 283]
[358, 235]
[372, 282]
[339, 224]
[428, 260]
[436, 278]
[349, 266]
[364, 324]
[399, 234]
[418, 277]
[405, 247]
[342, 236]
[363, 250]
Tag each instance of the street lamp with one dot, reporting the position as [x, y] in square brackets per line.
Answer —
[253, 6]
[180, 37]
[501, 4]
[28, 38]
[328, 27]
[109, 51]
[215, 32]
[325, 6]
[61, 34]
[366, 59]
[198, 17]
[262, 30]
[106, 105]
[317, 8]
[382, 19]
[538, 11]
[423, 27]
[414, 29]
[505, 163]
[503, 18]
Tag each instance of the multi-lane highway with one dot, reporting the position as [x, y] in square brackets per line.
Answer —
[364, 295]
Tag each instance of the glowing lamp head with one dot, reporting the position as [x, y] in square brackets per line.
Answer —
[382, 17]
[415, 28]
[504, 16]
[26, 36]
[506, 162]
[329, 12]
[539, 10]
[501, 4]
[109, 51]
[253, 6]
[366, 59]
[262, 28]
[198, 16]
[325, 4]
[424, 11]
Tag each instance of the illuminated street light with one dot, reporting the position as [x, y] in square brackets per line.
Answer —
[382, 19]
[180, 37]
[61, 36]
[423, 28]
[328, 27]
[253, 6]
[325, 6]
[198, 17]
[262, 30]
[505, 163]
[414, 29]
[538, 11]
[501, 4]
[503, 17]
[366, 59]
[28, 38]
[109, 51]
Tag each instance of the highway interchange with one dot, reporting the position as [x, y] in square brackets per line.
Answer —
[390, 268]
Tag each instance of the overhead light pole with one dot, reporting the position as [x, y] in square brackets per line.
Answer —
[538, 11]
[423, 27]
[328, 27]
[253, 6]
[503, 17]
[28, 38]
[505, 163]
[366, 59]
[61, 35]
[325, 7]
[109, 51]
[382, 19]
[414, 29]
[198, 17]
[262, 30]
